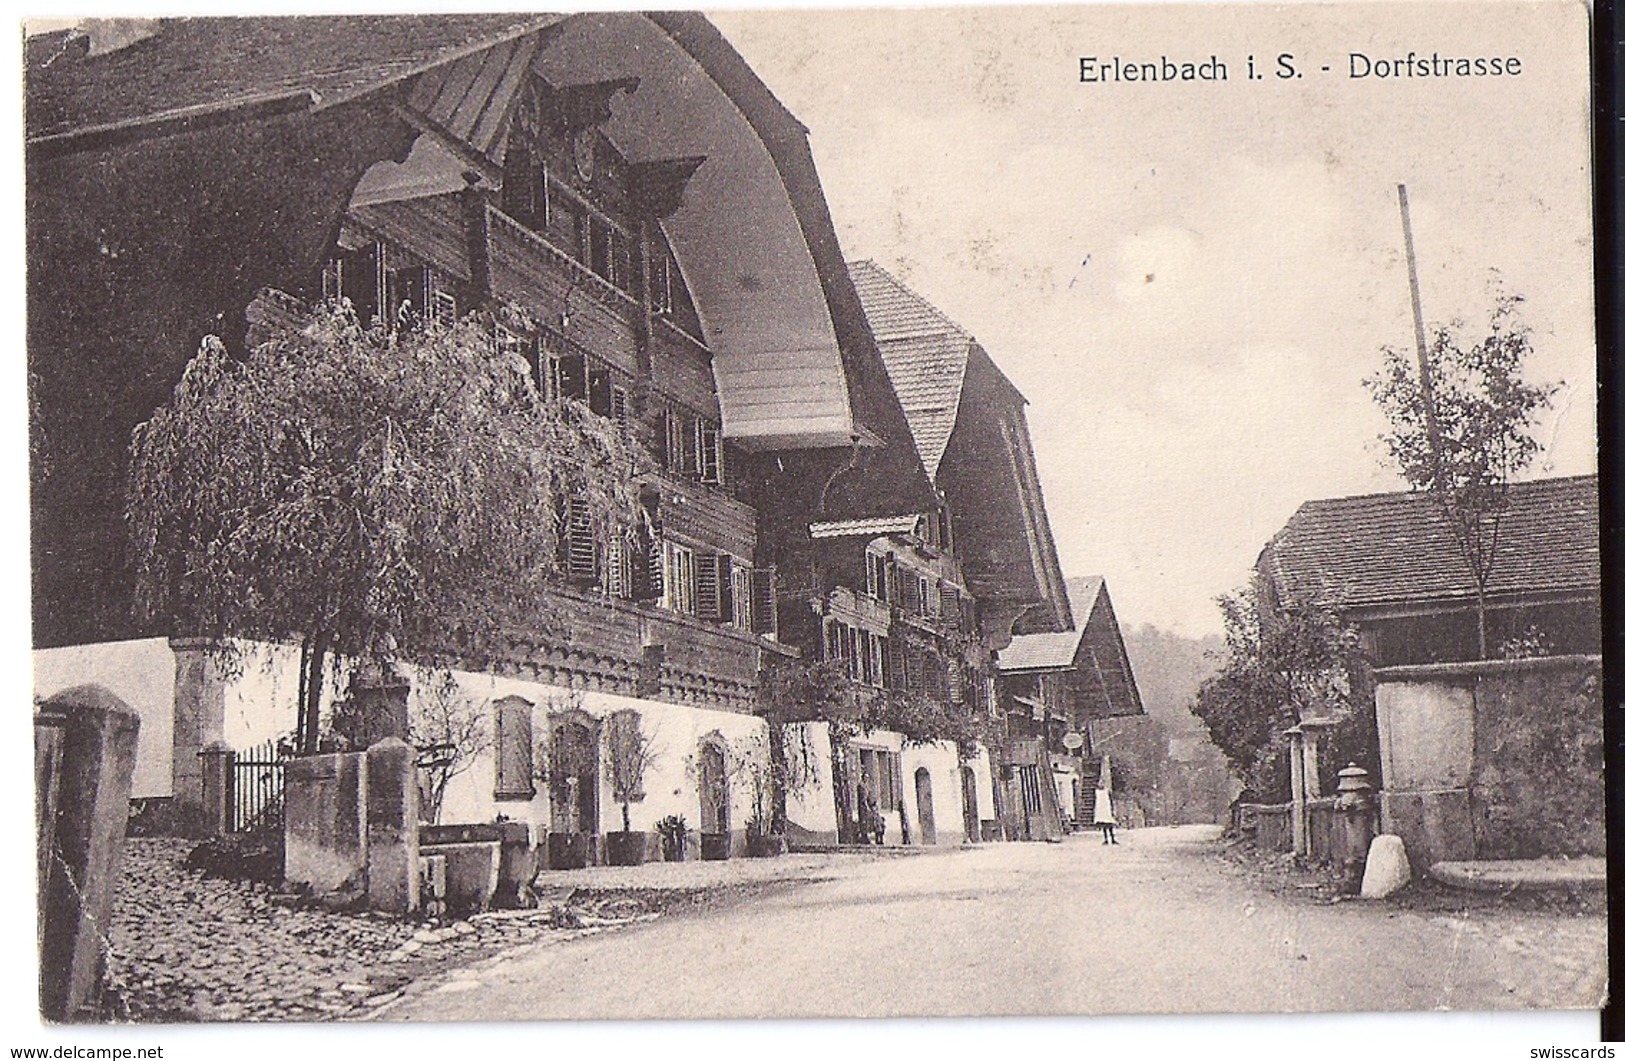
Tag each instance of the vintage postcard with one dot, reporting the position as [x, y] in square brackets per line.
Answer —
[959, 512]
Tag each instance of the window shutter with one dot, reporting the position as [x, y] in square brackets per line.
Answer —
[911, 593]
[515, 776]
[950, 606]
[648, 582]
[707, 586]
[764, 603]
[581, 551]
[620, 405]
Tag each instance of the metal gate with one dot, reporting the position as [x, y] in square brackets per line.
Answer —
[256, 789]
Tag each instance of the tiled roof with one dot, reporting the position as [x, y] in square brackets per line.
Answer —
[925, 355]
[1040, 651]
[1390, 549]
[202, 63]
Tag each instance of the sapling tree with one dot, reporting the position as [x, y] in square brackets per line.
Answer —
[630, 753]
[1463, 424]
[450, 731]
[384, 492]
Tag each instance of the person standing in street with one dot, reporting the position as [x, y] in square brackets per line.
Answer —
[1104, 816]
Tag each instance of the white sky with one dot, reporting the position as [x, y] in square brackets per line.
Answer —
[1200, 377]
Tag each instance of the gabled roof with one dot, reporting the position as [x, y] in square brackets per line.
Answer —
[925, 355]
[1094, 652]
[1396, 549]
[193, 65]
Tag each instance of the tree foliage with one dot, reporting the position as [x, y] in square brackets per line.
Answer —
[384, 492]
[1463, 435]
[1282, 664]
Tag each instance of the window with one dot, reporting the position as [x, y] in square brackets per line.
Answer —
[524, 184]
[678, 568]
[660, 270]
[743, 612]
[879, 576]
[515, 776]
[709, 443]
[878, 650]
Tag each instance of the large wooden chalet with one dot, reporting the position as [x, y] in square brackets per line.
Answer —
[923, 602]
[625, 179]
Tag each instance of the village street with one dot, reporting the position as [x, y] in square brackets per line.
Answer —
[1159, 923]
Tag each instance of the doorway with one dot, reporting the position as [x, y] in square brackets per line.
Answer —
[714, 809]
[973, 817]
[922, 797]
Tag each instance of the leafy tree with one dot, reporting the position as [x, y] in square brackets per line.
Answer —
[1283, 663]
[381, 492]
[1462, 421]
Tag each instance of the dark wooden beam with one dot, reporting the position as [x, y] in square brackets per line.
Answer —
[657, 185]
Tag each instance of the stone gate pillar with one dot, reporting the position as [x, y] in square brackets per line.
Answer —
[200, 714]
[98, 734]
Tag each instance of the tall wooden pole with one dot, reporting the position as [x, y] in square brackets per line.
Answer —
[1424, 366]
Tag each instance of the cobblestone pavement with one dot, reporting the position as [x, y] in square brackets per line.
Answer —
[189, 947]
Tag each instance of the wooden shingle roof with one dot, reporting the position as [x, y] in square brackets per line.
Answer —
[925, 355]
[1396, 549]
[199, 64]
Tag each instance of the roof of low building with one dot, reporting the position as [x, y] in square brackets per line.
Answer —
[1397, 548]
[1034, 652]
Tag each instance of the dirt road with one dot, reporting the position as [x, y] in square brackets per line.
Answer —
[1157, 924]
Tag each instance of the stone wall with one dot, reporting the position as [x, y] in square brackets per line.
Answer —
[1493, 759]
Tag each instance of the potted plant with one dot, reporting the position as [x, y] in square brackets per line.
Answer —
[674, 833]
[760, 843]
[631, 752]
[777, 769]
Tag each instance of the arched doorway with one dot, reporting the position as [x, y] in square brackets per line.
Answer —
[572, 790]
[714, 810]
[922, 797]
[973, 817]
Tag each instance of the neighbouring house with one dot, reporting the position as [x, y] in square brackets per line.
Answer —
[1389, 563]
[623, 178]
[917, 605]
[1058, 691]
[1478, 758]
